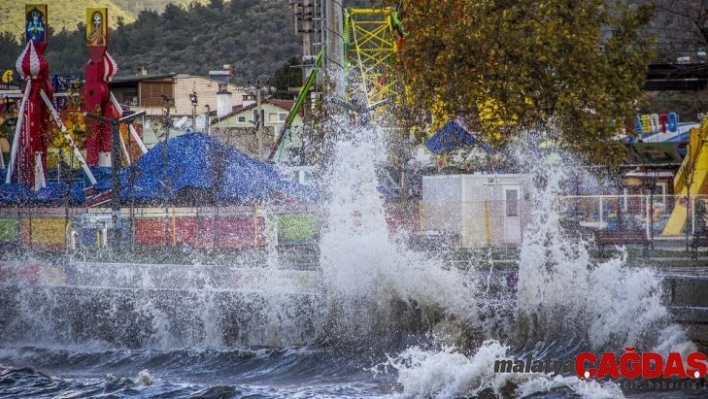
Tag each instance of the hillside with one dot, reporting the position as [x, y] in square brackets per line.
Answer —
[66, 14]
[253, 35]
[63, 14]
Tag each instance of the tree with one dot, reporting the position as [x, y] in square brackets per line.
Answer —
[9, 51]
[216, 4]
[529, 64]
[681, 28]
[287, 76]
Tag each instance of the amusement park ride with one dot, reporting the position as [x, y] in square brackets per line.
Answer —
[28, 154]
[364, 48]
[368, 39]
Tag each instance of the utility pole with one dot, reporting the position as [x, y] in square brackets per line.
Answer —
[115, 164]
[259, 123]
[193, 98]
[167, 121]
[206, 119]
[333, 37]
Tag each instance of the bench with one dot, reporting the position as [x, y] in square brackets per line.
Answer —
[607, 237]
[700, 239]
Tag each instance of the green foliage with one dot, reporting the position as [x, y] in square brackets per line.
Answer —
[287, 76]
[687, 103]
[9, 51]
[530, 64]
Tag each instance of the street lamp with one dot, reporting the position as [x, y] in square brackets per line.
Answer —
[115, 123]
[195, 101]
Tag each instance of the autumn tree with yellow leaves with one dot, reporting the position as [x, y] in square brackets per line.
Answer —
[517, 65]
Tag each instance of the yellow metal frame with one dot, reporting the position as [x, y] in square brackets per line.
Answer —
[370, 45]
[694, 169]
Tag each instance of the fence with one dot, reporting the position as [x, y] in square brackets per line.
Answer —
[502, 223]
[201, 228]
[654, 214]
[470, 223]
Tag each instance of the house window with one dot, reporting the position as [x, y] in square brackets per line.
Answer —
[241, 119]
[130, 97]
[273, 117]
[152, 93]
[283, 117]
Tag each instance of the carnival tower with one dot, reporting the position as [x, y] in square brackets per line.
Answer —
[97, 99]
[28, 156]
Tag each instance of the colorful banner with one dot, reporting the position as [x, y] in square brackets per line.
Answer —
[656, 123]
[36, 23]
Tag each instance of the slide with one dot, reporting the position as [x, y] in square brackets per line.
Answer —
[691, 179]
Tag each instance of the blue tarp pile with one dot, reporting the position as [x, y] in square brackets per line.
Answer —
[11, 194]
[193, 168]
[57, 193]
[451, 137]
[52, 194]
[197, 167]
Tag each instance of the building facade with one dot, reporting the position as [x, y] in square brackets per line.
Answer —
[189, 99]
[242, 121]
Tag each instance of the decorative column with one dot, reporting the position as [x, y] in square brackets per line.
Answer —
[28, 157]
[98, 72]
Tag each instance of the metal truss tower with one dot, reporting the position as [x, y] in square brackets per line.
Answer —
[371, 39]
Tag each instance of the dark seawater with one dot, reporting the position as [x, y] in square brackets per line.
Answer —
[34, 372]
[31, 372]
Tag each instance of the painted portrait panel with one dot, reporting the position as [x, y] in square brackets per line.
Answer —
[96, 27]
[36, 23]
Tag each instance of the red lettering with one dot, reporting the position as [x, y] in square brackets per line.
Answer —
[648, 359]
[580, 360]
[630, 363]
[608, 366]
[674, 366]
[697, 363]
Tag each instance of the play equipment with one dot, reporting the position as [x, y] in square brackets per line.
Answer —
[691, 178]
[371, 39]
[279, 144]
[28, 154]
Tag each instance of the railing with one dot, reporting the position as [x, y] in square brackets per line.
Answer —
[503, 223]
[649, 212]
